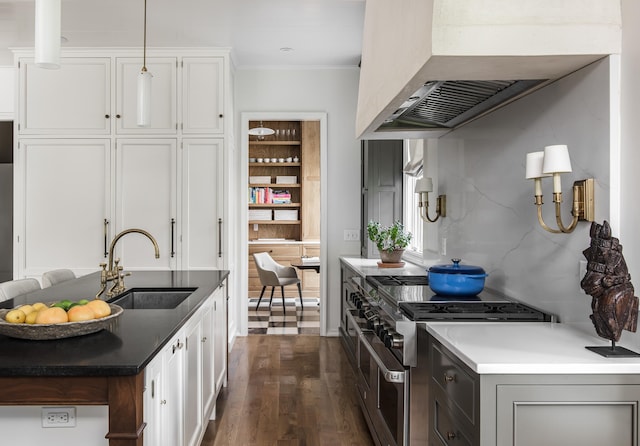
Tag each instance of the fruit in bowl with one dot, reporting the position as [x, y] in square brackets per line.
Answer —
[58, 312]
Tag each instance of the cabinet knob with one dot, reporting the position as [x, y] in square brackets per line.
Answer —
[107, 116]
[204, 339]
[118, 116]
[451, 435]
[163, 402]
[220, 115]
[449, 378]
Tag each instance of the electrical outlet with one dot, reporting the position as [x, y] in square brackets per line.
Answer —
[58, 417]
[443, 246]
[352, 235]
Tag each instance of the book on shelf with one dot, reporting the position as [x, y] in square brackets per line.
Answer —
[266, 195]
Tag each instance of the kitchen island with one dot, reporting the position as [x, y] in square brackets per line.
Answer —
[107, 367]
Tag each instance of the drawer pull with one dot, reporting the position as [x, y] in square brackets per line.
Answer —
[449, 378]
[451, 435]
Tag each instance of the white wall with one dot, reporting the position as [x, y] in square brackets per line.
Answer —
[630, 142]
[333, 91]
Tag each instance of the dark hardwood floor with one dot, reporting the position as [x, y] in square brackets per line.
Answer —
[286, 391]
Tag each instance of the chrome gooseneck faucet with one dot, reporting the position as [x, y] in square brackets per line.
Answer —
[114, 271]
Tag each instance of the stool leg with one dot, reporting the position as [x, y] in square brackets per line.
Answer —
[261, 293]
[300, 294]
[282, 291]
[272, 288]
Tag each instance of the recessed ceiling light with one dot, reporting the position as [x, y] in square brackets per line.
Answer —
[286, 49]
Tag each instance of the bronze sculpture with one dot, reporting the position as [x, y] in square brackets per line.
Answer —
[614, 305]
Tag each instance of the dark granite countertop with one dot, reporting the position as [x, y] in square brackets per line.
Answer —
[125, 348]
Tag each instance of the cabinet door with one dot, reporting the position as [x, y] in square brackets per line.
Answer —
[193, 382]
[202, 95]
[153, 402]
[74, 99]
[220, 336]
[146, 199]
[208, 378]
[202, 200]
[64, 200]
[310, 179]
[172, 413]
[163, 95]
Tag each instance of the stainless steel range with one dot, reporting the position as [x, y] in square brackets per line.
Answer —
[379, 329]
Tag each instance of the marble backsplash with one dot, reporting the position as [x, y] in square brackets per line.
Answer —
[491, 217]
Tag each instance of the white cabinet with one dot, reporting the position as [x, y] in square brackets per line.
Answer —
[76, 99]
[65, 197]
[202, 198]
[220, 337]
[193, 421]
[180, 383]
[202, 95]
[146, 192]
[163, 95]
[107, 178]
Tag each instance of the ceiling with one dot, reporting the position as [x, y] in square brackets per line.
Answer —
[321, 33]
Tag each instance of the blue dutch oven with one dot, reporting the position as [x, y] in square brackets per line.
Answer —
[456, 280]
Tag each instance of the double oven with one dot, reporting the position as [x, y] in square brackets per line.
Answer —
[380, 320]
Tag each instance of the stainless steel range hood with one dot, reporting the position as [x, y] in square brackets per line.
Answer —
[429, 66]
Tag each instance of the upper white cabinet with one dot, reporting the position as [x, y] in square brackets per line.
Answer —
[202, 95]
[86, 171]
[76, 99]
[163, 95]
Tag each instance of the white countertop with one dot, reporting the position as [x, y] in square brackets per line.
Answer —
[528, 348]
[369, 267]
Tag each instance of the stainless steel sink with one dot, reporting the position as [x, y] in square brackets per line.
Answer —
[152, 298]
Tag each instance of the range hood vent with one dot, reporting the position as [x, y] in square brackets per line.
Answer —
[447, 104]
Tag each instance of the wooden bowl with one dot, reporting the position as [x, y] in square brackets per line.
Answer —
[40, 332]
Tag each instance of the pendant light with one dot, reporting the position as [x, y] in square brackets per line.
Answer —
[144, 83]
[47, 35]
[261, 131]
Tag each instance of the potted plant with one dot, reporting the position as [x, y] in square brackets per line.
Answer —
[391, 241]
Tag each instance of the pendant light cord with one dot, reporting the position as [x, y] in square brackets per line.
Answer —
[144, 47]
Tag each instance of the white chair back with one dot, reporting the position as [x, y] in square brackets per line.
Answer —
[56, 276]
[13, 288]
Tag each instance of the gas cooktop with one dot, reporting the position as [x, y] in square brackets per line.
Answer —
[471, 311]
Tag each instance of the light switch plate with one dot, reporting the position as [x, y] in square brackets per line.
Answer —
[352, 235]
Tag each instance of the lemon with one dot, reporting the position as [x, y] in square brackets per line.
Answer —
[31, 317]
[15, 317]
[39, 306]
[26, 309]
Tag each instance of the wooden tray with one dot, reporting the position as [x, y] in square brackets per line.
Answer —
[41, 332]
[390, 265]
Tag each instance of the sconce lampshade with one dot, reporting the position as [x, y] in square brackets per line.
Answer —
[144, 99]
[533, 167]
[556, 159]
[48, 34]
[261, 131]
[424, 184]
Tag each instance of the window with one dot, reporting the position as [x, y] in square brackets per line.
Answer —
[412, 161]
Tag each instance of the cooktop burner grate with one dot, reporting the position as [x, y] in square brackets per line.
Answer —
[476, 311]
[397, 280]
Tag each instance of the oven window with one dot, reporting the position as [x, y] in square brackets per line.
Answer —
[389, 404]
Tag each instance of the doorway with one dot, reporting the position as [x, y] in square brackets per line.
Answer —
[281, 214]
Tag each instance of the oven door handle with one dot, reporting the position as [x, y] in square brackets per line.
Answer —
[390, 376]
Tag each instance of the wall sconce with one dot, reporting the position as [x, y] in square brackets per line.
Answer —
[47, 35]
[553, 161]
[144, 83]
[261, 132]
[423, 187]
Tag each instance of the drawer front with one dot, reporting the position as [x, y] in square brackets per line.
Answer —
[311, 250]
[446, 428]
[276, 250]
[460, 386]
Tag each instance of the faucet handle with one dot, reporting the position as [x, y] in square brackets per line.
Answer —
[103, 266]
